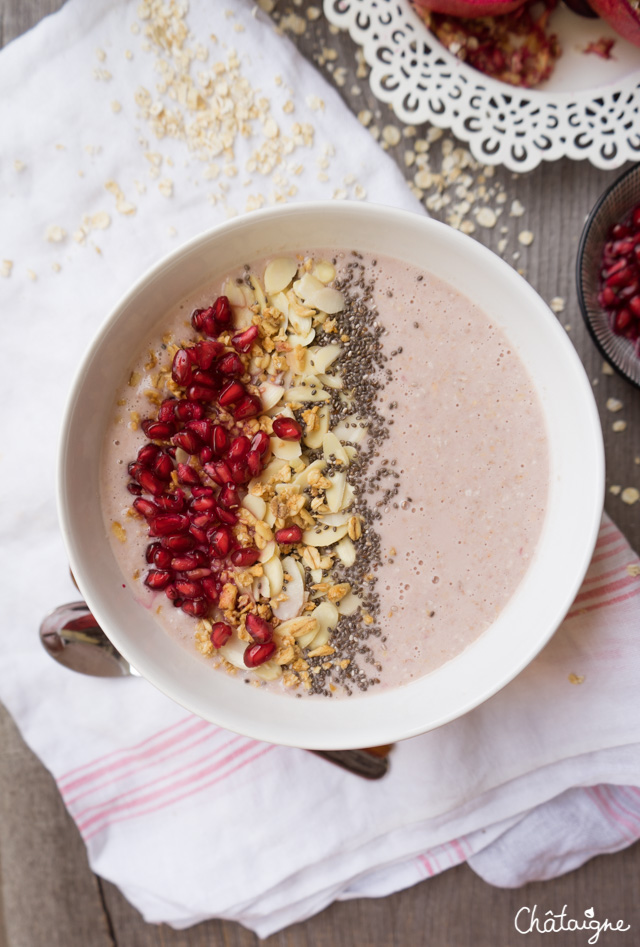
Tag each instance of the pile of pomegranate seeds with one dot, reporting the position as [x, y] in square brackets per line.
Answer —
[619, 294]
[516, 47]
[191, 504]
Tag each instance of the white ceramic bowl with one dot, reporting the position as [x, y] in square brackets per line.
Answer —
[568, 535]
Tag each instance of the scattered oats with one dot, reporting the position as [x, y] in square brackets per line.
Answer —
[517, 210]
[5, 268]
[486, 217]
[330, 55]
[501, 198]
[79, 235]
[100, 55]
[434, 134]
[102, 75]
[32, 276]
[525, 237]
[61, 147]
[172, 231]
[339, 194]
[423, 179]
[270, 128]
[391, 134]
[614, 404]
[516, 255]
[576, 679]
[238, 28]
[619, 426]
[365, 117]
[615, 489]
[315, 103]
[55, 234]
[633, 569]
[502, 245]
[115, 106]
[359, 192]
[166, 187]
[314, 13]
[266, 5]
[293, 22]
[636, 460]
[288, 107]
[128, 54]
[467, 226]
[607, 369]
[19, 165]
[567, 327]
[101, 220]
[340, 76]
[557, 304]
[409, 158]
[119, 531]
[56, 267]
[630, 496]
[375, 132]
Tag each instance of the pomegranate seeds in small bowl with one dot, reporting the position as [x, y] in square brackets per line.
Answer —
[608, 274]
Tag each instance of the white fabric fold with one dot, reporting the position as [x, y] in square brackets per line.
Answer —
[191, 821]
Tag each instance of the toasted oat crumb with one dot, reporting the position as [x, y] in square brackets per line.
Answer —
[166, 187]
[557, 304]
[33, 276]
[614, 404]
[19, 165]
[607, 369]
[517, 210]
[633, 569]
[619, 426]
[101, 220]
[630, 496]
[525, 237]
[615, 489]
[5, 268]
[115, 106]
[576, 679]
[391, 135]
[119, 532]
[486, 217]
[55, 234]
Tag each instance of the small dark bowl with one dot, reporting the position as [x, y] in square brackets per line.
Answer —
[612, 208]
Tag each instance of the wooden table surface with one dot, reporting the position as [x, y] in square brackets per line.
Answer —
[48, 895]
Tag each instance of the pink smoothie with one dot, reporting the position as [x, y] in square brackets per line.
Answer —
[466, 437]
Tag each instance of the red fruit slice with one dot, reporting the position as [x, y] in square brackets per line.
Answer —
[259, 629]
[171, 503]
[220, 634]
[178, 544]
[206, 352]
[232, 392]
[220, 439]
[187, 474]
[228, 498]
[188, 441]
[245, 557]
[231, 364]
[221, 540]
[289, 534]
[196, 607]
[147, 454]
[240, 447]
[210, 589]
[149, 482]
[145, 508]
[260, 442]
[254, 463]
[203, 428]
[201, 393]
[222, 311]
[219, 472]
[249, 407]
[181, 370]
[163, 466]
[158, 430]
[188, 589]
[166, 524]
[287, 429]
[244, 340]
[257, 654]
[155, 579]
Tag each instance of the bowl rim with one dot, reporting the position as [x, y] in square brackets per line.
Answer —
[584, 236]
[389, 731]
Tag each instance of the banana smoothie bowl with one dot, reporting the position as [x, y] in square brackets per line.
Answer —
[330, 475]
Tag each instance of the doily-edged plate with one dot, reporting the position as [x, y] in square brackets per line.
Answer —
[589, 109]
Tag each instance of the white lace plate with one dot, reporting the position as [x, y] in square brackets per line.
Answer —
[590, 108]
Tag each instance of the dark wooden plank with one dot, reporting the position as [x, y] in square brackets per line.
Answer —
[48, 895]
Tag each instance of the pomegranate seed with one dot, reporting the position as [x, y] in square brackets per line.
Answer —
[196, 607]
[620, 231]
[207, 379]
[210, 589]
[634, 306]
[220, 634]
[607, 298]
[188, 411]
[163, 466]
[199, 534]
[635, 216]
[287, 429]
[158, 430]
[227, 517]
[157, 580]
[178, 544]
[628, 291]
[219, 472]
[188, 441]
[181, 370]
[161, 557]
[203, 504]
[249, 407]
[244, 340]
[199, 573]
[245, 557]
[228, 498]
[231, 364]
[172, 502]
[172, 593]
[188, 589]
[222, 311]
[220, 439]
[289, 534]
[620, 277]
[187, 474]
[150, 551]
[206, 352]
[204, 521]
[166, 524]
[145, 508]
[201, 393]
[149, 482]
[134, 488]
[189, 561]
[203, 428]
[260, 442]
[147, 455]
[254, 463]
[202, 492]
[240, 471]
[233, 391]
[257, 654]
[205, 455]
[221, 540]
[622, 321]
[167, 410]
[240, 447]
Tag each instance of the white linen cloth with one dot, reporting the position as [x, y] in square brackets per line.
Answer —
[190, 821]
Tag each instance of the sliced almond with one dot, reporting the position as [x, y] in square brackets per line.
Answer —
[293, 589]
[270, 394]
[349, 430]
[331, 447]
[335, 492]
[181, 456]
[348, 496]
[285, 450]
[323, 537]
[324, 271]
[279, 273]
[305, 287]
[259, 291]
[334, 519]
[314, 438]
[234, 293]
[269, 671]
[321, 357]
[280, 302]
[261, 588]
[330, 381]
[329, 300]
[346, 552]
[302, 393]
[350, 604]
[303, 340]
[275, 574]
[255, 505]
[301, 481]
[233, 651]
[327, 616]
[268, 553]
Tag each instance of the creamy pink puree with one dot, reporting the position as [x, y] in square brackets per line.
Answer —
[469, 442]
